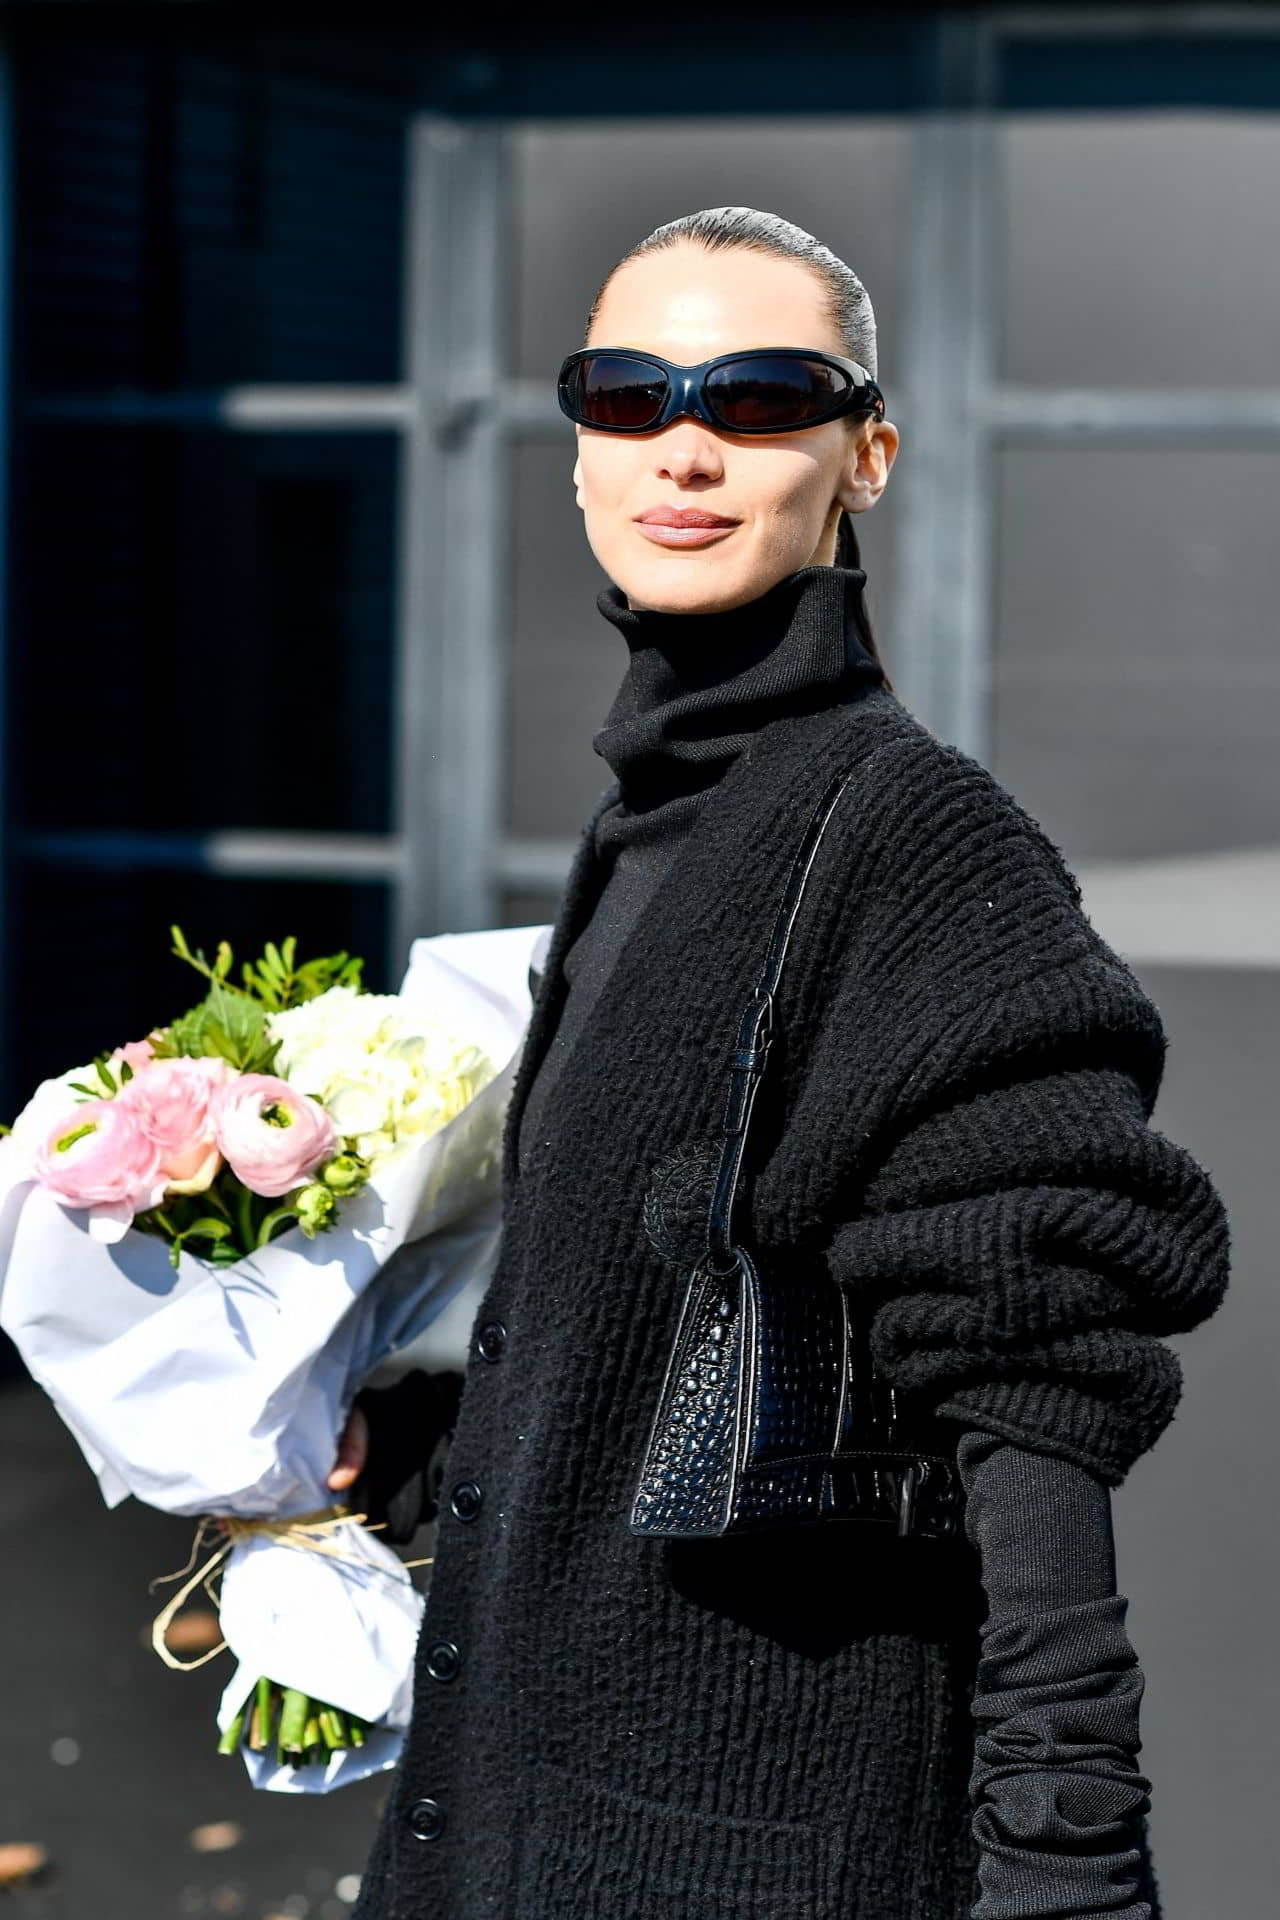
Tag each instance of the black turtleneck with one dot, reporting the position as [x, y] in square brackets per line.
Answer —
[697, 687]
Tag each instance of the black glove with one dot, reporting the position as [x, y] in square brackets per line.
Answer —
[410, 1426]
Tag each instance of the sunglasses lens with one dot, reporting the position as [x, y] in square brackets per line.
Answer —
[614, 390]
[768, 392]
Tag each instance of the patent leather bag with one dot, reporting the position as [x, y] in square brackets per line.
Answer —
[771, 1411]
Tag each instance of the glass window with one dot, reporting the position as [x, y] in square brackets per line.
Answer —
[1137, 687]
[193, 219]
[205, 627]
[1140, 249]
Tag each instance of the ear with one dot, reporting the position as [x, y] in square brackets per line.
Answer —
[577, 482]
[866, 468]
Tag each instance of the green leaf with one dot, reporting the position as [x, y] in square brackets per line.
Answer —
[94, 1093]
[243, 1021]
[217, 1042]
[104, 1073]
[264, 1060]
[186, 1033]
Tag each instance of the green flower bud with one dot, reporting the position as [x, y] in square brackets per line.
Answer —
[345, 1173]
[317, 1209]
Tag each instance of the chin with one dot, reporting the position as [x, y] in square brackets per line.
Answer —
[704, 581]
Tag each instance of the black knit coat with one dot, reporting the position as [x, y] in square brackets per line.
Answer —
[956, 1128]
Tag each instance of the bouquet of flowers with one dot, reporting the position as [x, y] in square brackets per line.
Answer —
[210, 1239]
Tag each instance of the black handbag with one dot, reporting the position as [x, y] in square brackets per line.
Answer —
[771, 1411]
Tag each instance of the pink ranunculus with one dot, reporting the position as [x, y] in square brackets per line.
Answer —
[272, 1134]
[175, 1101]
[99, 1156]
[136, 1054]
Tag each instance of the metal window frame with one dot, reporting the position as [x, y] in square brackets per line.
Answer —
[457, 414]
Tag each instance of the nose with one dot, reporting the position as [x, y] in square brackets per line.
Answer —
[686, 450]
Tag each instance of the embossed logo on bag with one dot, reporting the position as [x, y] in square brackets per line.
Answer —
[678, 1200]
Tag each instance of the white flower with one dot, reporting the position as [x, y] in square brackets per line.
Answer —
[385, 1082]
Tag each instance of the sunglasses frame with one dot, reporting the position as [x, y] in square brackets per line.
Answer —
[687, 393]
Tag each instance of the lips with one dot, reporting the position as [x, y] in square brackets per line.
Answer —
[683, 517]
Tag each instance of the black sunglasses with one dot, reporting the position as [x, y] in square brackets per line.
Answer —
[768, 390]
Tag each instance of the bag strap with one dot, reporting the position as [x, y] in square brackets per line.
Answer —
[755, 1036]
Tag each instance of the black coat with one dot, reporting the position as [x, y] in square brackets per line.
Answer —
[955, 1126]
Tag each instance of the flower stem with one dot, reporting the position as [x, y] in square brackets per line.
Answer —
[305, 1730]
[214, 1199]
[244, 1219]
[272, 1220]
[260, 1731]
[231, 1738]
[293, 1720]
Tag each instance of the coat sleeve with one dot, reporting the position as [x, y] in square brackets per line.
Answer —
[1059, 1803]
[409, 1423]
[1025, 1240]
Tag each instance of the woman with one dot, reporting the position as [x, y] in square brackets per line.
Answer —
[825, 1720]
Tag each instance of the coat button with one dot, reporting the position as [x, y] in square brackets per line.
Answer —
[426, 1819]
[465, 1500]
[491, 1339]
[443, 1659]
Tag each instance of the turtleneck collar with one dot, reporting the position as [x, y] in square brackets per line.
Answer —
[699, 685]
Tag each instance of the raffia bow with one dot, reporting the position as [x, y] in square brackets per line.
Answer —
[308, 1532]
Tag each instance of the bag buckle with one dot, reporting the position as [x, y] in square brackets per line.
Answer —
[907, 1500]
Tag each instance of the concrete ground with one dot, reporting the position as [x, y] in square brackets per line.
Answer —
[106, 1756]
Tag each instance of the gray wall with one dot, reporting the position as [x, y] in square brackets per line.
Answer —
[1196, 1520]
[1136, 712]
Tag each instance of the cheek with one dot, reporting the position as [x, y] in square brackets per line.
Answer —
[608, 472]
[801, 486]
[790, 498]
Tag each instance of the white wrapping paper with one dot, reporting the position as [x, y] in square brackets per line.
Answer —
[222, 1390]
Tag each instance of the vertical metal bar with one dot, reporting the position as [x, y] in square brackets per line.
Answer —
[452, 533]
[942, 596]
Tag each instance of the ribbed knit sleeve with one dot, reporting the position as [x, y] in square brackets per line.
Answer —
[1024, 1249]
[1057, 1795]
[1021, 1236]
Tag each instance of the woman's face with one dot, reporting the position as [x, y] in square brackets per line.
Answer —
[782, 492]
